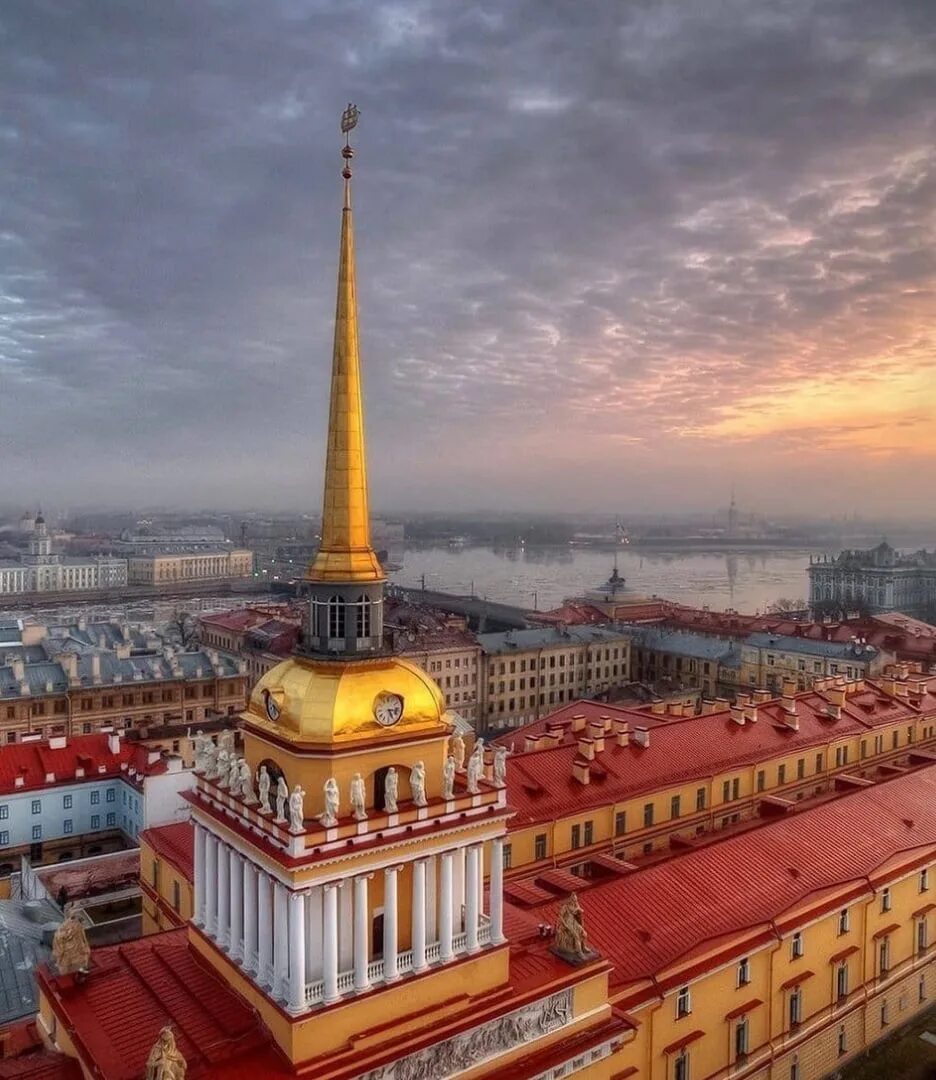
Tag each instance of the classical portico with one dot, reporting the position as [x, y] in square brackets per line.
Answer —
[311, 945]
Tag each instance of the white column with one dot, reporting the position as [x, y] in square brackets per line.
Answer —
[361, 933]
[264, 929]
[250, 916]
[419, 915]
[330, 942]
[297, 952]
[237, 905]
[471, 899]
[200, 869]
[223, 935]
[390, 930]
[497, 892]
[211, 884]
[445, 908]
[280, 940]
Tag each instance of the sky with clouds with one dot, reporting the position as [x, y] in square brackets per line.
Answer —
[611, 255]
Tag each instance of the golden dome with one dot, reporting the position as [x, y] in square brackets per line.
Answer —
[328, 701]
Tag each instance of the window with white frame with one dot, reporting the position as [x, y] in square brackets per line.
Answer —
[842, 1041]
[841, 982]
[683, 1002]
[744, 971]
[884, 955]
[796, 1007]
[885, 900]
[741, 1038]
[924, 879]
[843, 921]
[681, 1066]
[796, 945]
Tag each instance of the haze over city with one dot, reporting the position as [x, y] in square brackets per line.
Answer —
[625, 256]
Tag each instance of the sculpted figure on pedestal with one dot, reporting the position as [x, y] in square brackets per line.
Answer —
[282, 797]
[448, 778]
[418, 783]
[358, 798]
[263, 782]
[391, 791]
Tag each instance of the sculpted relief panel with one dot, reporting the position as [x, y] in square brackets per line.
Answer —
[471, 1048]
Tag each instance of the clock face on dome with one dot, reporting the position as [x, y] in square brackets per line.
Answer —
[388, 708]
[272, 706]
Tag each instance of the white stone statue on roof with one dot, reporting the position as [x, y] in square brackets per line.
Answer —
[358, 798]
[500, 766]
[417, 781]
[202, 742]
[476, 767]
[391, 791]
[226, 740]
[211, 761]
[263, 783]
[457, 750]
[165, 1061]
[296, 810]
[332, 800]
[448, 778]
[282, 798]
[246, 782]
[224, 764]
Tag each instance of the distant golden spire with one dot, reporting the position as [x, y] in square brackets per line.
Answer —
[345, 553]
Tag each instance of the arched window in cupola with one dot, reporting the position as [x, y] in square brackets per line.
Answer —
[336, 617]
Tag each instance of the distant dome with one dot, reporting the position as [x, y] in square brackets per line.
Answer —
[328, 701]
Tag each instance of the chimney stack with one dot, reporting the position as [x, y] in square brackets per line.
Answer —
[641, 736]
[113, 743]
[581, 771]
[586, 748]
[737, 714]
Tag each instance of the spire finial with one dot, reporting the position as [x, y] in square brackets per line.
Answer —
[345, 553]
[349, 119]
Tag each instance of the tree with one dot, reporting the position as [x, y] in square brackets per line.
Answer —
[785, 604]
[182, 629]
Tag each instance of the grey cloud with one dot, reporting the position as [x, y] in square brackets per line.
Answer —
[592, 219]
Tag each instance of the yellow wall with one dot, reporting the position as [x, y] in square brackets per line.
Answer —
[161, 882]
[717, 811]
[716, 993]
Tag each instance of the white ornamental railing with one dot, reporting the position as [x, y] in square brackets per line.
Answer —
[315, 991]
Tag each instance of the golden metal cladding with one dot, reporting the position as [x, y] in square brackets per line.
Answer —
[345, 553]
[333, 701]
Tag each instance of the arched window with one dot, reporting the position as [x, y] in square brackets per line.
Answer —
[363, 616]
[336, 617]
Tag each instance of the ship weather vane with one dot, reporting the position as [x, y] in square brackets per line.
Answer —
[349, 119]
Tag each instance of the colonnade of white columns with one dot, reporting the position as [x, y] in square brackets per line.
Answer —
[288, 941]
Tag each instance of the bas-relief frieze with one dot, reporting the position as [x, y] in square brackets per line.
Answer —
[471, 1048]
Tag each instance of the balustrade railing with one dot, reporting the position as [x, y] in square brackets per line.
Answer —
[315, 991]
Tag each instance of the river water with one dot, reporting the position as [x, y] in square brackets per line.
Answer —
[745, 581]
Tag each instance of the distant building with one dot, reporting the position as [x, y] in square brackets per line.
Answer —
[682, 659]
[527, 673]
[169, 568]
[442, 645]
[261, 637]
[878, 580]
[60, 796]
[185, 539]
[43, 570]
[85, 677]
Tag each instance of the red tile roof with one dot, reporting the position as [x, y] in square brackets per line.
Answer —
[35, 761]
[176, 844]
[745, 881]
[580, 712]
[541, 787]
[137, 988]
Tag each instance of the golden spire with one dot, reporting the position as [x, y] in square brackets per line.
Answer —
[345, 553]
